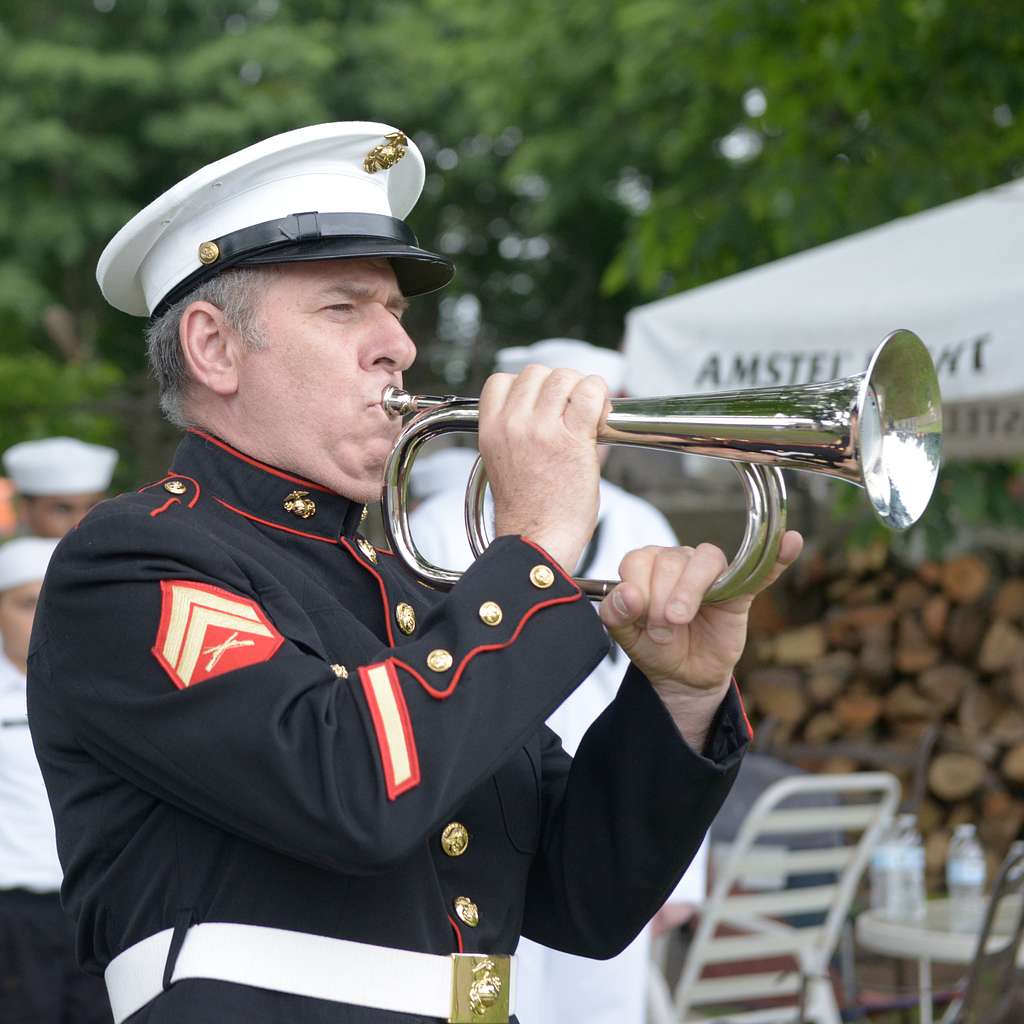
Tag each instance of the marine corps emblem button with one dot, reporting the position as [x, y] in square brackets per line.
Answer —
[405, 615]
[542, 577]
[455, 839]
[299, 505]
[490, 613]
[467, 911]
[439, 660]
[209, 252]
[175, 487]
[367, 549]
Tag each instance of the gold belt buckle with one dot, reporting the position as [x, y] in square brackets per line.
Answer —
[480, 988]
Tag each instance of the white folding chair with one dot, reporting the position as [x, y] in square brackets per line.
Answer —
[766, 916]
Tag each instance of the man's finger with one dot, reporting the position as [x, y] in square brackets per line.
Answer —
[789, 550]
[623, 607]
[669, 568]
[706, 565]
[586, 406]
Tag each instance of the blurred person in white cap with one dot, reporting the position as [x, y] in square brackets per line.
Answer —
[439, 471]
[56, 481]
[39, 978]
[556, 986]
[290, 783]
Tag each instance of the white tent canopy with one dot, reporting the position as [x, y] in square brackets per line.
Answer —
[953, 274]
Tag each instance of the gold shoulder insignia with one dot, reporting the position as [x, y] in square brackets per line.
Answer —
[387, 154]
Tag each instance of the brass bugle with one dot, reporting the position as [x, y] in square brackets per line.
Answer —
[881, 430]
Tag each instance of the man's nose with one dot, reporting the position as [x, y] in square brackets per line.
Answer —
[392, 345]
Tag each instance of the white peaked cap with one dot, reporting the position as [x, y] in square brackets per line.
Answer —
[447, 469]
[24, 560]
[326, 191]
[568, 354]
[59, 465]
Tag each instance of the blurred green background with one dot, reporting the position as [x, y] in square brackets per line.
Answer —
[583, 157]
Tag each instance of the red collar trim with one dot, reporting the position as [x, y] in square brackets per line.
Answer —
[260, 465]
[273, 526]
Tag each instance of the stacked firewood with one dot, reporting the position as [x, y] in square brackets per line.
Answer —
[860, 654]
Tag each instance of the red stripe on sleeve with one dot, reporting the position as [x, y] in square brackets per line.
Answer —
[393, 727]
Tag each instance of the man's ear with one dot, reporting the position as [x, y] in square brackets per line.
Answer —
[209, 347]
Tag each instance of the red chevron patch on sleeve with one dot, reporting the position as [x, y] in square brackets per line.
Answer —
[206, 631]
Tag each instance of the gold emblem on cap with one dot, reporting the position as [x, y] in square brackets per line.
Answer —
[340, 671]
[406, 617]
[467, 910]
[439, 660]
[209, 252]
[299, 505]
[455, 839]
[541, 576]
[490, 613]
[367, 549]
[175, 487]
[387, 154]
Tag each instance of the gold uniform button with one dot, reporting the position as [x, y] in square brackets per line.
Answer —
[439, 660]
[406, 617]
[175, 487]
[364, 514]
[300, 505]
[541, 576]
[340, 671]
[455, 839]
[209, 252]
[367, 549]
[490, 613]
[467, 911]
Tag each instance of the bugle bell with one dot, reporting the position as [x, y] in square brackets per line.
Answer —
[881, 429]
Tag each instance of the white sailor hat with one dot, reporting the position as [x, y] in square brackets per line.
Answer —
[446, 469]
[328, 191]
[59, 465]
[24, 560]
[566, 353]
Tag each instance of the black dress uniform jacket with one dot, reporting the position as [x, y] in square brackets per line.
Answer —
[245, 713]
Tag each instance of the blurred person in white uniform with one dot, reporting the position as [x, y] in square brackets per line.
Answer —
[555, 987]
[56, 481]
[40, 981]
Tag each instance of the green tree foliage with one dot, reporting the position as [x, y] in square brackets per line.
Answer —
[583, 156]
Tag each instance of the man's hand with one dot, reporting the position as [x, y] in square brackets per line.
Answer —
[538, 435]
[687, 649]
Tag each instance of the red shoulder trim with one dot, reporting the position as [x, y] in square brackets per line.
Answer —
[165, 506]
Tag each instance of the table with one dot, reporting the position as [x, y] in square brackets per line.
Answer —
[932, 939]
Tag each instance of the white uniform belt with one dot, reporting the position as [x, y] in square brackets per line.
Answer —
[316, 966]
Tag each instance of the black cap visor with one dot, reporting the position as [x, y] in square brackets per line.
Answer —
[310, 237]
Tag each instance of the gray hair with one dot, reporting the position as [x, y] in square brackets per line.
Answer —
[236, 294]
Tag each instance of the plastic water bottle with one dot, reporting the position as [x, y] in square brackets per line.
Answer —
[910, 894]
[965, 879]
[883, 863]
